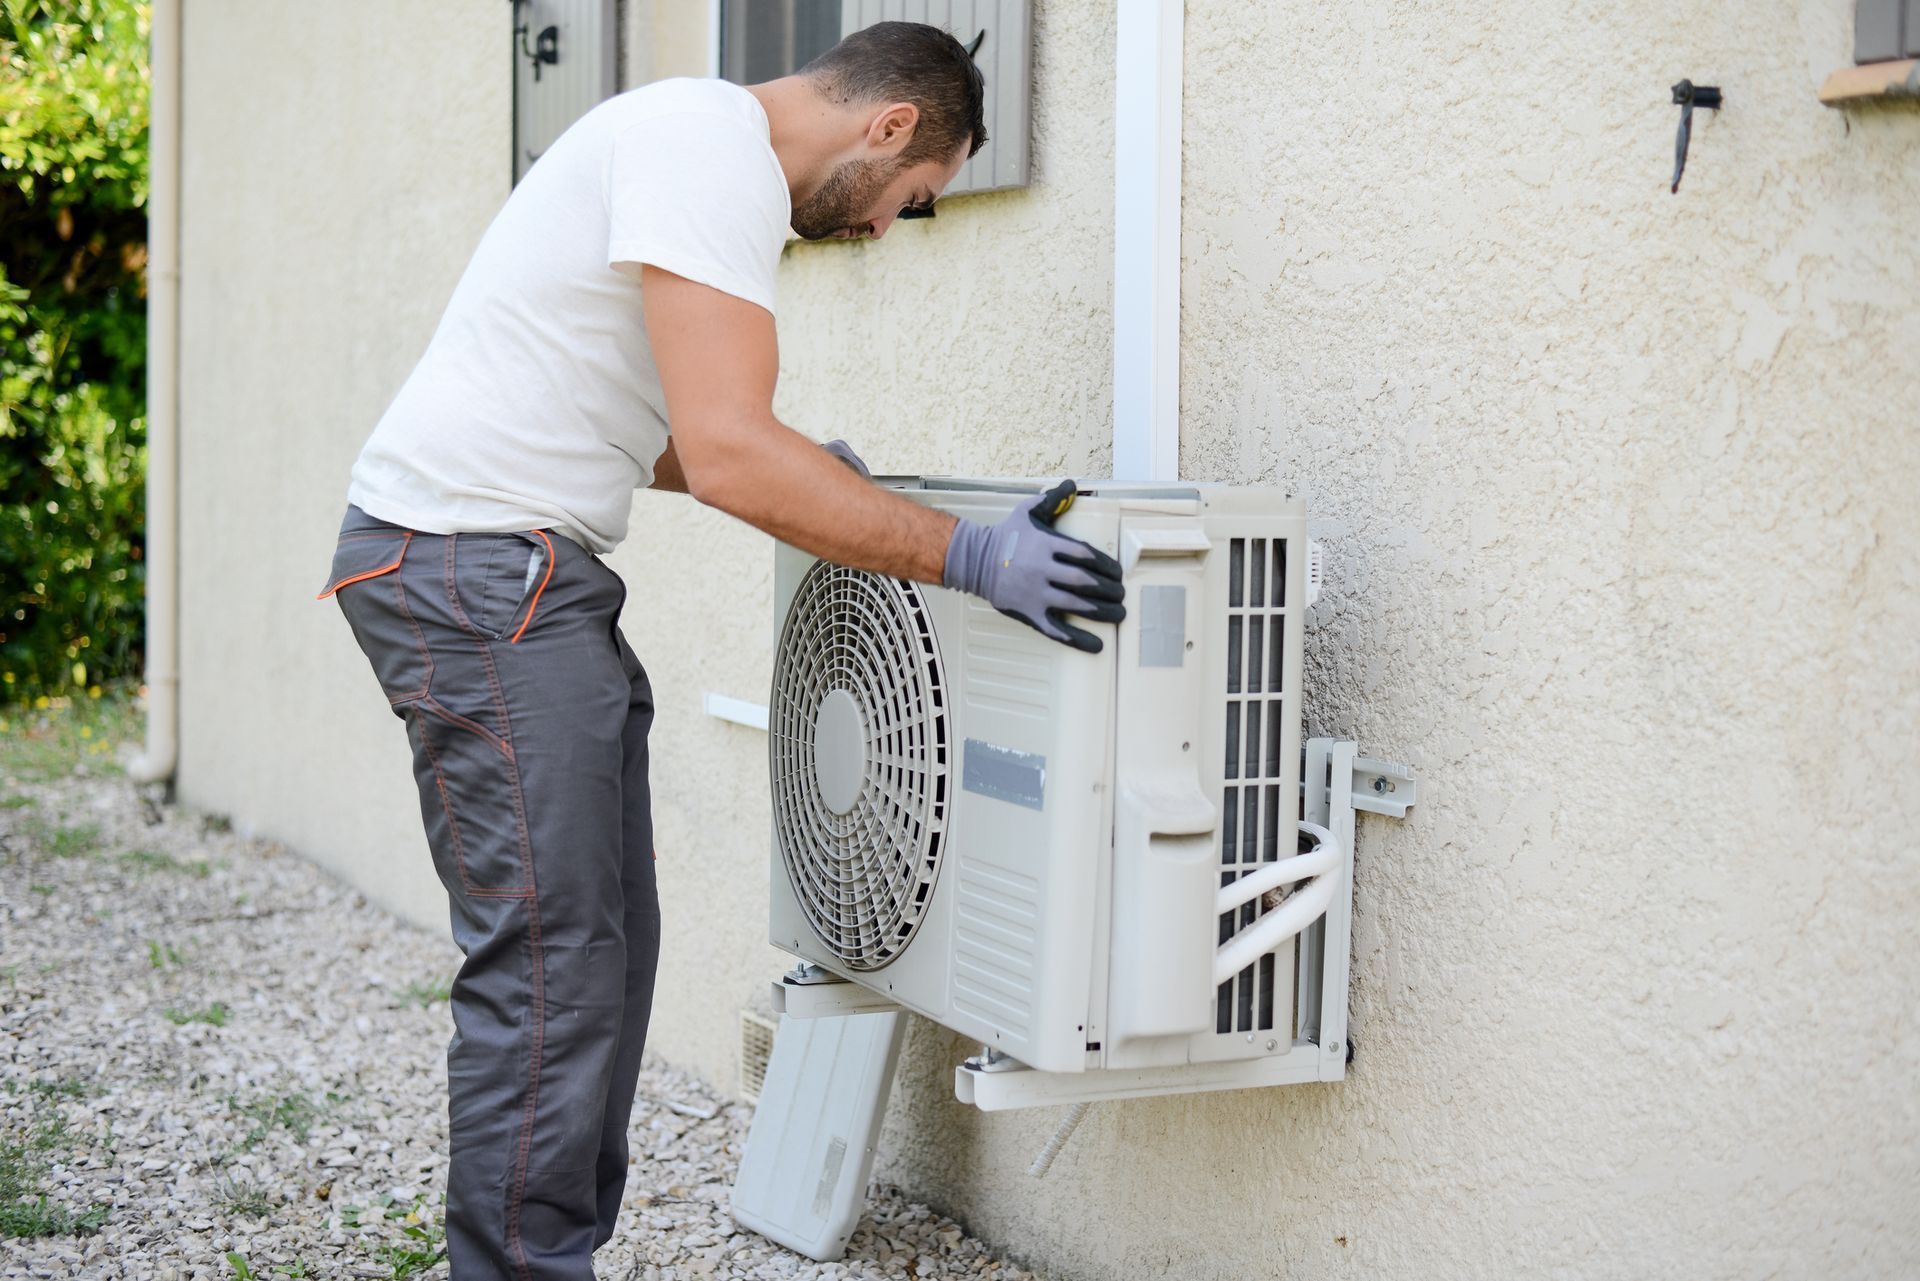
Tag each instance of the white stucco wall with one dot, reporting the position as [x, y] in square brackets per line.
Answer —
[1617, 492]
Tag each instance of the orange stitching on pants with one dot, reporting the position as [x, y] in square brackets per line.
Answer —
[535, 604]
[536, 956]
[446, 803]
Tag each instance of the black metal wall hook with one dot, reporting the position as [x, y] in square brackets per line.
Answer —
[1689, 95]
[546, 46]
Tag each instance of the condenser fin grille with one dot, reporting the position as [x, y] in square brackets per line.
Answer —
[1255, 820]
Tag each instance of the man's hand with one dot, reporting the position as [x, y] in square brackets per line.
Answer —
[844, 452]
[1027, 571]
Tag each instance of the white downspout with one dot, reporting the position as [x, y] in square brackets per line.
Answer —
[1146, 239]
[163, 399]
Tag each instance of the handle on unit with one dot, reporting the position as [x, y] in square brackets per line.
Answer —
[1165, 879]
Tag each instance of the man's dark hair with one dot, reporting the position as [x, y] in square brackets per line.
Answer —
[910, 62]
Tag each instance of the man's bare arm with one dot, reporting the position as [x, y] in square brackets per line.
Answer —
[667, 475]
[718, 360]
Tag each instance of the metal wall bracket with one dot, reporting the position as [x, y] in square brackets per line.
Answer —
[1383, 787]
[808, 991]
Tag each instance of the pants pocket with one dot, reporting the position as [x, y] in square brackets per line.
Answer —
[496, 580]
[471, 801]
[365, 581]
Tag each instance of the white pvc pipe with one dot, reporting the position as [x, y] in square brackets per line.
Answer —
[1273, 875]
[1302, 909]
[163, 399]
[1148, 40]
[737, 710]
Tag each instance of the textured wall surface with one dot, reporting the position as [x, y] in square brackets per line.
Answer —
[337, 173]
[1617, 492]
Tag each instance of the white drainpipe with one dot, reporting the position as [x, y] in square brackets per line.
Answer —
[163, 400]
[1146, 239]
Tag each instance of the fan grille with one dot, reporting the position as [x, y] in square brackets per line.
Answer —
[863, 878]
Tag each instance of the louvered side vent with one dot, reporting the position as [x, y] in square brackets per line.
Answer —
[756, 1052]
[1257, 819]
[996, 906]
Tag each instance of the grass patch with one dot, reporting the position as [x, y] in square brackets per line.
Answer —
[155, 861]
[242, 1196]
[64, 840]
[65, 1087]
[47, 738]
[422, 1243]
[215, 1014]
[161, 955]
[282, 1110]
[25, 1210]
[16, 802]
[425, 994]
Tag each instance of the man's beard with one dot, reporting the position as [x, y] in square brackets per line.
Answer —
[849, 190]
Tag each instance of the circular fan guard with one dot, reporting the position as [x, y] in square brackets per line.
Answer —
[865, 877]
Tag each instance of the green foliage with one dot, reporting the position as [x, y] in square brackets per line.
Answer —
[25, 1210]
[425, 994]
[242, 1195]
[282, 1110]
[215, 1014]
[73, 193]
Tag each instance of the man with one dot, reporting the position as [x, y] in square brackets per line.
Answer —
[627, 284]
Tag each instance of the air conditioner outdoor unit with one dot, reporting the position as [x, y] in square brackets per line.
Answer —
[1077, 860]
[1120, 873]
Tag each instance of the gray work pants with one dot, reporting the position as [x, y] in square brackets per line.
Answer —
[528, 716]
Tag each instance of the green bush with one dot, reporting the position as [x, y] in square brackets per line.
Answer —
[73, 332]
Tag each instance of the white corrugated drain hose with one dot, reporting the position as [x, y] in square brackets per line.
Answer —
[1059, 1140]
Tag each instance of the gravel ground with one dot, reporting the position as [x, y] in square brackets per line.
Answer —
[216, 1061]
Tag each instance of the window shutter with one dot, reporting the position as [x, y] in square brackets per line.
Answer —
[565, 61]
[765, 39]
[1876, 29]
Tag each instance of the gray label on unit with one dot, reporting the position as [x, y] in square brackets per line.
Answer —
[1163, 626]
[1004, 774]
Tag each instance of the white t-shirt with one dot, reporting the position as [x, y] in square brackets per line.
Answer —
[537, 403]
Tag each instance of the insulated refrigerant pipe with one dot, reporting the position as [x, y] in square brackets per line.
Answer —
[1299, 911]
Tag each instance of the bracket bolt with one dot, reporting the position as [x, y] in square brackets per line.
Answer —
[1272, 1044]
[1379, 784]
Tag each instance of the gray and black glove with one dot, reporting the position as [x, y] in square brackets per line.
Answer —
[1027, 571]
[844, 452]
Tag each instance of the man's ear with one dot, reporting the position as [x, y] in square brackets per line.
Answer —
[892, 128]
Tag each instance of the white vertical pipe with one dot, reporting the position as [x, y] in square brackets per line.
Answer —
[1146, 239]
[163, 398]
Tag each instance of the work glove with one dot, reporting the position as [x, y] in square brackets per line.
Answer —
[844, 452]
[1027, 571]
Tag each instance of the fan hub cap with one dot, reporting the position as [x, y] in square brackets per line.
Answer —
[839, 751]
